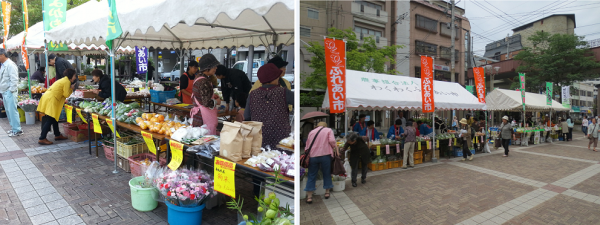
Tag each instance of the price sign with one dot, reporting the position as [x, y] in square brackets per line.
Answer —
[454, 141]
[79, 113]
[225, 177]
[149, 141]
[437, 143]
[69, 110]
[419, 146]
[427, 145]
[109, 122]
[397, 148]
[97, 128]
[176, 154]
[378, 149]
[387, 149]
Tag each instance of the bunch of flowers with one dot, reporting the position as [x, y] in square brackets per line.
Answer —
[183, 187]
[29, 105]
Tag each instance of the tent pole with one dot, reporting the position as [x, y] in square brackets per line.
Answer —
[112, 85]
[433, 156]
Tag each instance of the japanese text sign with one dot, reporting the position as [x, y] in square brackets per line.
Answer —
[6, 20]
[225, 177]
[26, 16]
[81, 116]
[110, 124]
[427, 84]
[69, 111]
[149, 141]
[522, 87]
[479, 76]
[566, 95]
[24, 56]
[549, 87]
[141, 59]
[176, 155]
[97, 128]
[335, 67]
[54, 15]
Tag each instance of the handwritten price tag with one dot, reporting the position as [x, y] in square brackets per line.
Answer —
[419, 146]
[427, 145]
[97, 128]
[387, 149]
[176, 154]
[437, 143]
[110, 124]
[81, 116]
[225, 177]
[69, 110]
[397, 148]
[454, 141]
[149, 141]
[378, 150]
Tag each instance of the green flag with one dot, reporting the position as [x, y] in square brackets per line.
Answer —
[522, 85]
[549, 86]
[114, 26]
[54, 15]
[470, 88]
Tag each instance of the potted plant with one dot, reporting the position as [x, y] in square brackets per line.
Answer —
[29, 106]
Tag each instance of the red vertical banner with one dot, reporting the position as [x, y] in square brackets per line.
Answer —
[427, 84]
[24, 56]
[479, 83]
[335, 67]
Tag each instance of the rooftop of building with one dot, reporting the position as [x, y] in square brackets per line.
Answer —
[525, 26]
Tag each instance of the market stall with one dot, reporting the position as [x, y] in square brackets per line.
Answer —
[372, 91]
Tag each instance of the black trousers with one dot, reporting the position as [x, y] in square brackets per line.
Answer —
[466, 151]
[565, 136]
[364, 163]
[505, 143]
[48, 123]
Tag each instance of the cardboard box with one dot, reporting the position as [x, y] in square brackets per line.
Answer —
[88, 94]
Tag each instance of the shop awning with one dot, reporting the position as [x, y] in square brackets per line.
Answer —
[182, 23]
[373, 91]
[509, 100]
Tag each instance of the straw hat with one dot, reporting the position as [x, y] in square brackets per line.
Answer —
[322, 124]
[505, 117]
[463, 121]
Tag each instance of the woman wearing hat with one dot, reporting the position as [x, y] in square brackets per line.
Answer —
[269, 105]
[506, 133]
[204, 99]
[282, 82]
[186, 83]
[465, 135]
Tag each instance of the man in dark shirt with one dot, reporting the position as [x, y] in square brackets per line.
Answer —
[232, 82]
[39, 75]
[60, 64]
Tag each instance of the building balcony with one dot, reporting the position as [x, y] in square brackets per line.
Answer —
[369, 13]
[380, 42]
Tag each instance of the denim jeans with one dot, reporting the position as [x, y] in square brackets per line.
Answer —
[316, 163]
[10, 105]
[584, 129]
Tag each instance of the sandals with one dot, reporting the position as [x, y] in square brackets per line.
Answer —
[309, 202]
[327, 195]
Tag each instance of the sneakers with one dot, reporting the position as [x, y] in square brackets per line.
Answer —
[61, 137]
[470, 159]
[505, 155]
[14, 134]
[463, 159]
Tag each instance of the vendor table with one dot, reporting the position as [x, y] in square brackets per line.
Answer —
[230, 116]
[145, 99]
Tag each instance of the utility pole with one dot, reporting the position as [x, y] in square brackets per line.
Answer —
[453, 40]
[507, 44]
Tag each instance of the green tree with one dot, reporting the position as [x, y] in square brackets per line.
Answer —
[35, 13]
[361, 57]
[558, 58]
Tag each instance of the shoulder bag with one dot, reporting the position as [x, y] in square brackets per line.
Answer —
[591, 133]
[305, 158]
[498, 141]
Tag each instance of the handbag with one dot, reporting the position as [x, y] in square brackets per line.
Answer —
[591, 133]
[498, 141]
[337, 165]
[305, 158]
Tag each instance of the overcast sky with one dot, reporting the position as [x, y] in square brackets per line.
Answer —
[482, 15]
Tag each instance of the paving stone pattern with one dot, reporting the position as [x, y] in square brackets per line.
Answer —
[560, 210]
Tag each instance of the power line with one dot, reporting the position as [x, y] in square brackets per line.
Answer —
[524, 14]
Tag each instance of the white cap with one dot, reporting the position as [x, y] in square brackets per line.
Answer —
[505, 117]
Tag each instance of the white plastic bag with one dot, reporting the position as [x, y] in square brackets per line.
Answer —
[347, 165]
[486, 148]
[179, 134]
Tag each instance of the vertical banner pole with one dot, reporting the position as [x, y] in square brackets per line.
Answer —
[433, 156]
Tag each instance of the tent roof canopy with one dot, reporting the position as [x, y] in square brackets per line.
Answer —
[378, 91]
[509, 100]
[187, 24]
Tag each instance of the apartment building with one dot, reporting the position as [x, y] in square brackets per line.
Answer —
[582, 99]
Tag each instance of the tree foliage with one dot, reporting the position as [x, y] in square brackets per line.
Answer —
[558, 58]
[35, 13]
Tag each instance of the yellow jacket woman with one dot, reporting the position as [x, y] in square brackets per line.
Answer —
[52, 103]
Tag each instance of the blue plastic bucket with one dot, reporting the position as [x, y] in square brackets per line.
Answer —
[184, 215]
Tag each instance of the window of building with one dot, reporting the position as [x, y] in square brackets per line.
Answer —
[446, 31]
[467, 45]
[364, 32]
[313, 14]
[581, 93]
[305, 31]
[426, 23]
[589, 94]
[424, 48]
[575, 102]
[369, 4]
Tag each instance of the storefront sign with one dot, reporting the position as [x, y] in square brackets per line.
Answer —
[97, 128]
[81, 116]
[176, 155]
[6, 20]
[576, 109]
[549, 87]
[479, 76]
[441, 67]
[522, 85]
[141, 59]
[54, 14]
[225, 177]
[566, 95]
[427, 84]
[69, 111]
[149, 141]
[335, 67]
[110, 124]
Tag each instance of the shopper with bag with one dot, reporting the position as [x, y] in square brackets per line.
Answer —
[410, 133]
[593, 134]
[506, 133]
[565, 129]
[321, 151]
[203, 96]
[466, 138]
[584, 125]
[359, 153]
[570, 124]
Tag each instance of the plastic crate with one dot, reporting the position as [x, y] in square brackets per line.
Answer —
[161, 96]
[67, 126]
[129, 150]
[123, 163]
[372, 167]
[381, 166]
[137, 169]
[76, 135]
[418, 155]
[418, 161]
[109, 152]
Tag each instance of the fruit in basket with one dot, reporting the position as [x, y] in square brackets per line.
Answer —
[160, 117]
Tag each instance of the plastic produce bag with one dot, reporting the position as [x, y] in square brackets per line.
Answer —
[347, 165]
[179, 134]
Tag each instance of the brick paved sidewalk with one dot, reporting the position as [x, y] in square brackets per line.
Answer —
[539, 184]
[63, 184]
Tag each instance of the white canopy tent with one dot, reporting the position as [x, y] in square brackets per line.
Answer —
[376, 91]
[509, 100]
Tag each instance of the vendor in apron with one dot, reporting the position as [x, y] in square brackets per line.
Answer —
[203, 97]
[186, 83]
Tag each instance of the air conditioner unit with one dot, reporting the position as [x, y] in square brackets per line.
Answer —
[362, 8]
[378, 12]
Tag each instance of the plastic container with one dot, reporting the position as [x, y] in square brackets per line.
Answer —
[109, 152]
[339, 185]
[129, 150]
[21, 115]
[161, 96]
[137, 169]
[184, 215]
[29, 118]
[142, 199]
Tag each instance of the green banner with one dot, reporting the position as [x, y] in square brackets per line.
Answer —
[470, 88]
[55, 13]
[522, 85]
[549, 86]
[114, 26]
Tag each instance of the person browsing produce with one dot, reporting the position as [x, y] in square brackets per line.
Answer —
[186, 82]
[51, 105]
[205, 100]
[321, 146]
[410, 133]
[396, 131]
[506, 133]
[233, 81]
[359, 153]
[9, 78]
[104, 88]
[465, 136]
[360, 127]
[39, 75]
